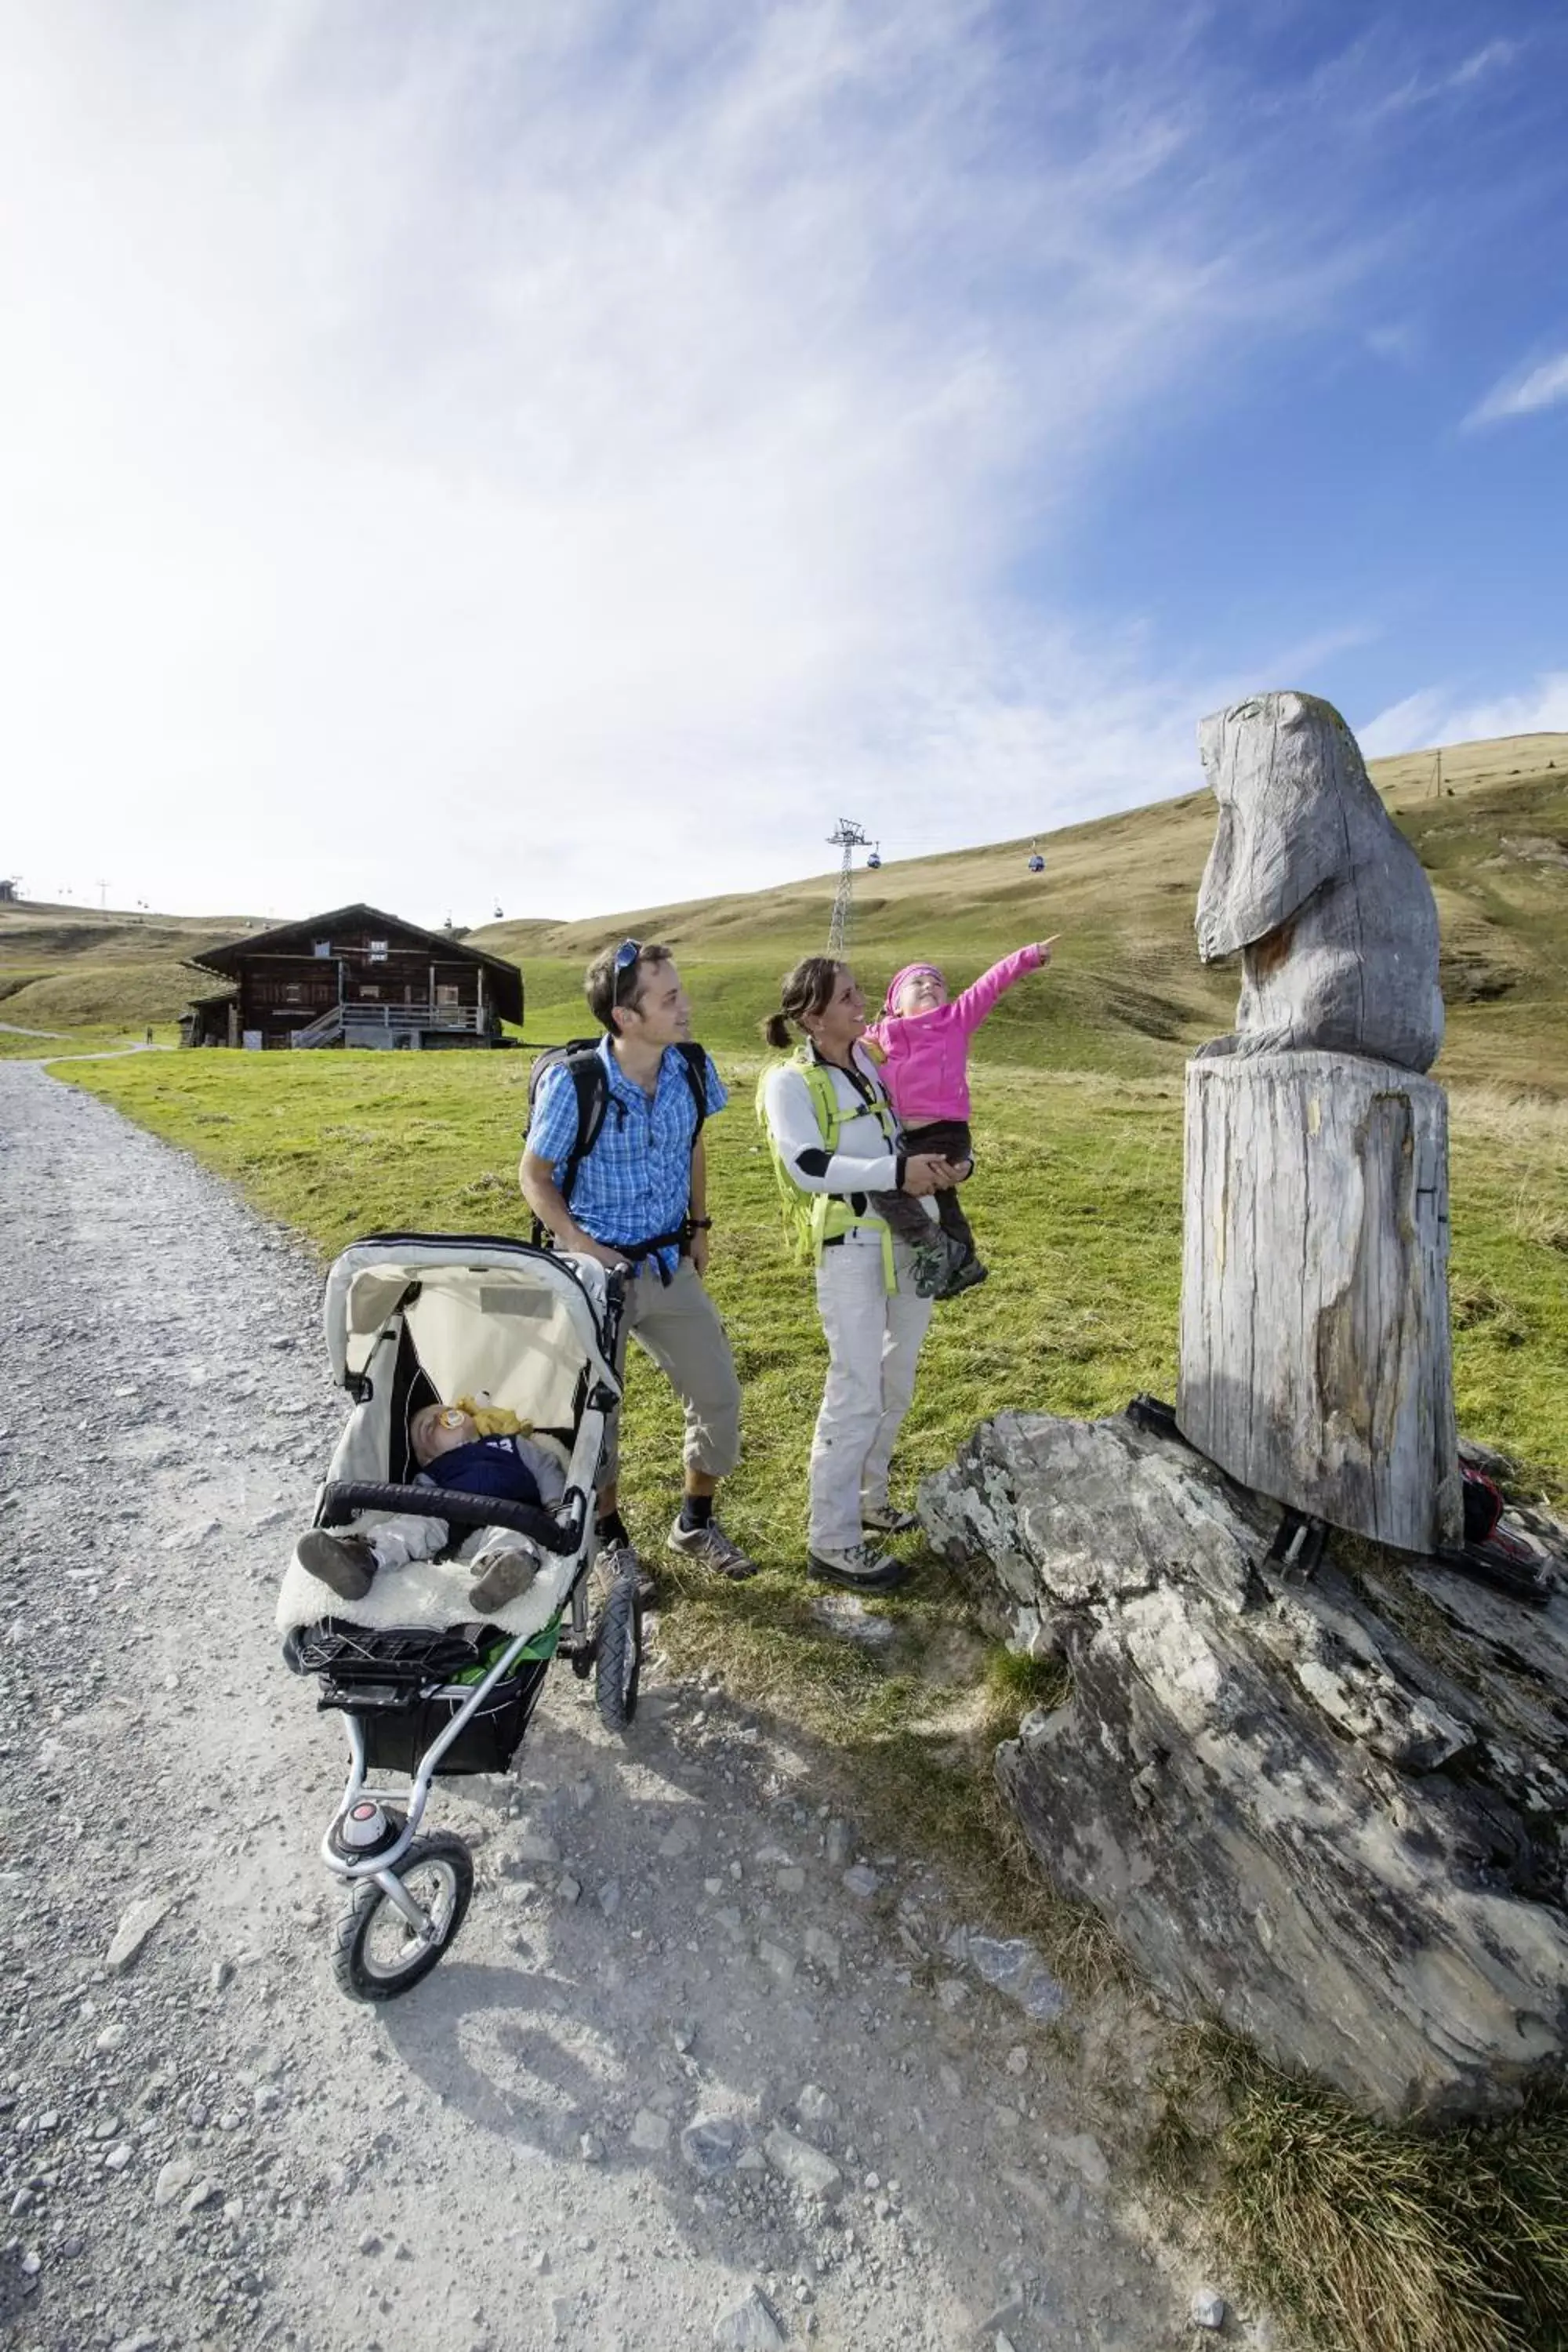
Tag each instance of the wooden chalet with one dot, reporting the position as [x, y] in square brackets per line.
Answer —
[354, 977]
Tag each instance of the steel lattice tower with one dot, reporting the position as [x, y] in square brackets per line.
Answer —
[848, 836]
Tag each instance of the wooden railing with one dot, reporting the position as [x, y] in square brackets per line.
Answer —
[352, 1021]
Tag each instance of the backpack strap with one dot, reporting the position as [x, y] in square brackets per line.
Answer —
[694, 1062]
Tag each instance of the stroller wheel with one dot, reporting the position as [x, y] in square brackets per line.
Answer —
[378, 1953]
[617, 1654]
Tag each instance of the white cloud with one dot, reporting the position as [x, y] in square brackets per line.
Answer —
[1436, 715]
[1521, 395]
[569, 455]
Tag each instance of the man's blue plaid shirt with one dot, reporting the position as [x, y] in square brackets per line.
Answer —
[637, 1180]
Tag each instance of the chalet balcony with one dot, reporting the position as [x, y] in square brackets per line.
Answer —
[385, 1025]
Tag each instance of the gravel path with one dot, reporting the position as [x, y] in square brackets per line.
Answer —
[209, 2147]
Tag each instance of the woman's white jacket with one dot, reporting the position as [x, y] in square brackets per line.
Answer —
[862, 1163]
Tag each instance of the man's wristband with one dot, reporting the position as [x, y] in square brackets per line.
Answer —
[698, 1224]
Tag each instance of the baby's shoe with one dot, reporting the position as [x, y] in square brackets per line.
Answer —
[344, 1564]
[502, 1575]
[967, 1274]
[932, 1264]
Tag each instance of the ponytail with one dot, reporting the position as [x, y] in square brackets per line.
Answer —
[804, 992]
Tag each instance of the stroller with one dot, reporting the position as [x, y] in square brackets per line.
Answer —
[414, 1319]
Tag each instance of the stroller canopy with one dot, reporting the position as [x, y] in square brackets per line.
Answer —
[520, 1324]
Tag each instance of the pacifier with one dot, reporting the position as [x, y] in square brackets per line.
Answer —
[450, 1416]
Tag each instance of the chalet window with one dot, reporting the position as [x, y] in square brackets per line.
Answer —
[373, 993]
[446, 994]
[321, 949]
[293, 992]
[376, 950]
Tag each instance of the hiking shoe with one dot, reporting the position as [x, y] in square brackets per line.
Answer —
[933, 1263]
[503, 1575]
[883, 1519]
[711, 1548]
[859, 1567]
[344, 1564]
[966, 1275]
[613, 1561]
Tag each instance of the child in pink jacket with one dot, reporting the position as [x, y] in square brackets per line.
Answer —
[923, 1042]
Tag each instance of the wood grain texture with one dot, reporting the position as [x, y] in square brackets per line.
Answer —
[1314, 883]
[1315, 1360]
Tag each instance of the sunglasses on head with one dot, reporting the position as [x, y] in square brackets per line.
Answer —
[627, 956]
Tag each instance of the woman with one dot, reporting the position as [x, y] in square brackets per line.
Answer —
[836, 1141]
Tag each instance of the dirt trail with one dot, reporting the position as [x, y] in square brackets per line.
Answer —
[213, 2147]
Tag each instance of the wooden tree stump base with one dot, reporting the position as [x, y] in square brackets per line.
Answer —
[1315, 1363]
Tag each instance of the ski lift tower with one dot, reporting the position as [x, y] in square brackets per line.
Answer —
[848, 836]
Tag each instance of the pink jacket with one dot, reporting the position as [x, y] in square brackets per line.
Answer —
[927, 1067]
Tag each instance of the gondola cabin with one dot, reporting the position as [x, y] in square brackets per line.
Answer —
[355, 977]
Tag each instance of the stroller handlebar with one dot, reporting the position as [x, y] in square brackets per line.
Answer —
[340, 1498]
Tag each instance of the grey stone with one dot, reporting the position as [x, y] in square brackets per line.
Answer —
[823, 1948]
[1207, 2309]
[174, 2176]
[534, 1846]
[649, 2132]
[862, 1881]
[751, 2327]
[838, 1844]
[713, 2143]
[136, 1925]
[805, 2168]
[1275, 1788]
[812, 2105]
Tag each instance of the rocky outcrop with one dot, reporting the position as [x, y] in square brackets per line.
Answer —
[1330, 1811]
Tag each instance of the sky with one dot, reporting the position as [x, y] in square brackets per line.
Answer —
[562, 457]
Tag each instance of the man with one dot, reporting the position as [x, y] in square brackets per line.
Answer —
[639, 1203]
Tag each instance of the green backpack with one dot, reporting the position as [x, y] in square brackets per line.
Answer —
[810, 1218]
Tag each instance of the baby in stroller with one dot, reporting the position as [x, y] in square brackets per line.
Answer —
[461, 1447]
[436, 1670]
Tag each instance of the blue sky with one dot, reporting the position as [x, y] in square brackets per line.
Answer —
[565, 455]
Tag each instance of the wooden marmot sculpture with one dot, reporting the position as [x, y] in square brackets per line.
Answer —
[1311, 879]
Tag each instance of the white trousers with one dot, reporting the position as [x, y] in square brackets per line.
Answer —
[398, 1541]
[873, 1350]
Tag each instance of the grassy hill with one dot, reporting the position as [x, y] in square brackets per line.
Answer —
[1126, 993]
[70, 968]
[1126, 996]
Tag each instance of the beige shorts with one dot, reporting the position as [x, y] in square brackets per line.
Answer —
[677, 1325]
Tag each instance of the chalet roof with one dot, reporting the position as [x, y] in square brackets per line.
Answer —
[228, 959]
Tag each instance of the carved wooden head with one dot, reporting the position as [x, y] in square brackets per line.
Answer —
[1280, 766]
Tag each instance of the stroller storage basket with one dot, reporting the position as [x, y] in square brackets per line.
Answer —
[396, 1737]
[406, 1685]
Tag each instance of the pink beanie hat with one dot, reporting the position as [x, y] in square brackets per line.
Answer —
[896, 981]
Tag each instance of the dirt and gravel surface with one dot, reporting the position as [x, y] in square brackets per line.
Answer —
[698, 2069]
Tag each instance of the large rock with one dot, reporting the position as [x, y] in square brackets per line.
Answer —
[1330, 1811]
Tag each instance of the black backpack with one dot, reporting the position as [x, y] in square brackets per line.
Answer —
[581, 1058]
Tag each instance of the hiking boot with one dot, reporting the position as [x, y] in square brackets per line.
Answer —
[613, 1561]
[344, 1564]
[883, 1519]
[932, 1264]
[967, 1274]
[502, 1575]
[859, 1567]
[711, 1548]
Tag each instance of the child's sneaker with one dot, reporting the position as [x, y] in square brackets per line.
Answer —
[967, 1274]
[935, 1264]
[344, 1564]
[503, 1575]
